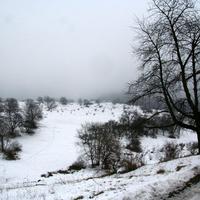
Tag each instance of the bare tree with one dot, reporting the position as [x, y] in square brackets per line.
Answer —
[13, 115]
[32, 114]
[169, 50]
[63, 100]
[40, 100]
[50, 103]
[87, 102]
[3, 132]
[100, 145]
[87, 142]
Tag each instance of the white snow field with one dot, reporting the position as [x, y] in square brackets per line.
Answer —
[53, 147]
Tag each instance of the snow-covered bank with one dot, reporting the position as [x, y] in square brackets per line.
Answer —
[191, 193]
[143, 183]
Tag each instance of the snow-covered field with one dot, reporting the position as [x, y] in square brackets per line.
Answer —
[53, 147]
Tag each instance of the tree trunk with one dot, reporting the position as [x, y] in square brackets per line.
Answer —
[198, 137]
[198, 133]
[2, 144]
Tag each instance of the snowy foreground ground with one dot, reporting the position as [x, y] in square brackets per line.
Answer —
[53, 147]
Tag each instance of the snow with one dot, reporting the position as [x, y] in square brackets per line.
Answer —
[152, 146]
[143, 183]
[192, 193]
[53, 147]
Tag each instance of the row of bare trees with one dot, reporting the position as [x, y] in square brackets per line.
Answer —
[50, 102]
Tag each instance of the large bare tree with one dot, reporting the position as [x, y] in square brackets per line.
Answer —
[169, 51]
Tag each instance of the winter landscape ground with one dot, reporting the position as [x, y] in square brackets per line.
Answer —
[122, 119]
[53, 148]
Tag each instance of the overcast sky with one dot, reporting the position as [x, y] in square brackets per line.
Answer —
[67, 47]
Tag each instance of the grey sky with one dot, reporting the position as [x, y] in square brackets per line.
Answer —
[67, 47]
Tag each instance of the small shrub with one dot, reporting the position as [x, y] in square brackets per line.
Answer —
[63, 101]
[87, 103]
[79, 197]
[131, 162]
[182, 146]
[172, 136]
[14, 134]
[77, 165]
[179, 167]
[128, 166]
[30, 131]
[161, 171]
[134, 145]
[47, 175]
[192, 148]
[171, 151]
[12, 150]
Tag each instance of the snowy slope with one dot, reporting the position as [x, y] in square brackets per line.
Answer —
[53, 147]
[141, 184]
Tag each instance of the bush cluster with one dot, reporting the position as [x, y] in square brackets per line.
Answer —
[171, 151]
[100, 145]
[11, 151]
[13, 119]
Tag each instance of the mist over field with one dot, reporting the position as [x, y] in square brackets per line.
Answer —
[72, 48]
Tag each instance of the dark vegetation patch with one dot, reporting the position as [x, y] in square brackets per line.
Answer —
[161, 171]
[179, 167]
[79, 197]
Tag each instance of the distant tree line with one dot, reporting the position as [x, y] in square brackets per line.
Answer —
[51, 103]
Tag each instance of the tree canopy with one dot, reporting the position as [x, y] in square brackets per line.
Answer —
[169, 51]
